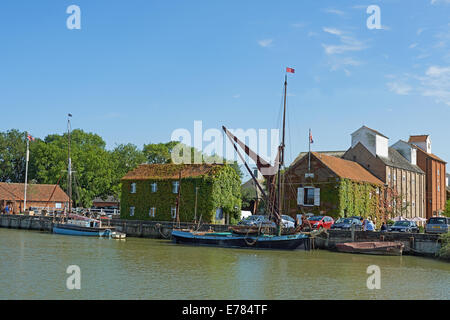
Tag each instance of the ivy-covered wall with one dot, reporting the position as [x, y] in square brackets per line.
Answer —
[219, 190]
[358, 199]
[344, 198]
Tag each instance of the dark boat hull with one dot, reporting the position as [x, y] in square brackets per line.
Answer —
[74, 230]
[284, 242]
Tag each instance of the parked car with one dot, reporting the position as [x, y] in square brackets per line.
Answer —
[404, 226]
[288, 221]
[321, 222]
[256, 220]
[346, 224]
[438, 225]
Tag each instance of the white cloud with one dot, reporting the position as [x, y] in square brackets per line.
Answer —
[435, 71]
[347, 42]
[298, 25]
[435, 83]
[333, 31]
[439, 1]
[413, 45]
[399, 88]
[265, 43]
[236, 96]
[335, 11]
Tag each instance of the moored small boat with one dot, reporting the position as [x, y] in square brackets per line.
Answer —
[118, 235]
[78, 225]
[372, 247]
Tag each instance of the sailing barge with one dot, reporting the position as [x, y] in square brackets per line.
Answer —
[245, 236]
[233, 240]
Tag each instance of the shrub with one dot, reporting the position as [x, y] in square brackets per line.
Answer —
[444, 252]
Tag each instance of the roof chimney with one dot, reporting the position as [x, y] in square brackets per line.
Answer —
[422, 141]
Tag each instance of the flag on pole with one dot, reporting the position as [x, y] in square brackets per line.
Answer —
[290, 70]
[310, 137]
[30, 138]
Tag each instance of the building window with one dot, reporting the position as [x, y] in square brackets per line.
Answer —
[413, 204]
[152, 212]
[58, 205]
[389, 177]
[308, 196]
[173, 212]
[404, 177]
[133, 187]
[175, 186]
[439, 188]
[438, 172]
[154, 187]
[131, 211]
[395, 176]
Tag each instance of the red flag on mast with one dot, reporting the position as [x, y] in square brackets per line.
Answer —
[30, 138]
[290, 70]
[310, 137]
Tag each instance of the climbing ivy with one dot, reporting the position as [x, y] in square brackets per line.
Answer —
[219, 189]
[346, 198]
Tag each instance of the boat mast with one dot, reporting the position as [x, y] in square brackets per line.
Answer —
[281, 150]
[69, 169]
[178, 200]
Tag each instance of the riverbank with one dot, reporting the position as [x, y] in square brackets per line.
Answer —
[417, 244]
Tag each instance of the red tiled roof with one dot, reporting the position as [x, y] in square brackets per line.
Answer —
[170, 171]
[433, 156]
[35, 192]
[347, 169]
[420, 138]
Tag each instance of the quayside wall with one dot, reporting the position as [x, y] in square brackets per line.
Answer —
[415, 244]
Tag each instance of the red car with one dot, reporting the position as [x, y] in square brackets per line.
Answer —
[321, 222]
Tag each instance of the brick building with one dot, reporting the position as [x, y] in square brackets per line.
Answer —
[38, 195]
[400, 173]
[333, 186]
[434, 168]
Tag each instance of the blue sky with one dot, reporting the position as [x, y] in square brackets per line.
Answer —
[137, 70]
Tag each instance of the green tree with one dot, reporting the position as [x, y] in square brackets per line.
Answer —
[125, 157]
[92, 163]
[447, 209]
[12, 156]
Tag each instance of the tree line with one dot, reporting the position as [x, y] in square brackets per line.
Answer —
[97, 171]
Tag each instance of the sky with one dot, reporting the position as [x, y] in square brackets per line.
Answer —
[138, 70]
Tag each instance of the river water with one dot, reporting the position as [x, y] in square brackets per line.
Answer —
[33, 265]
